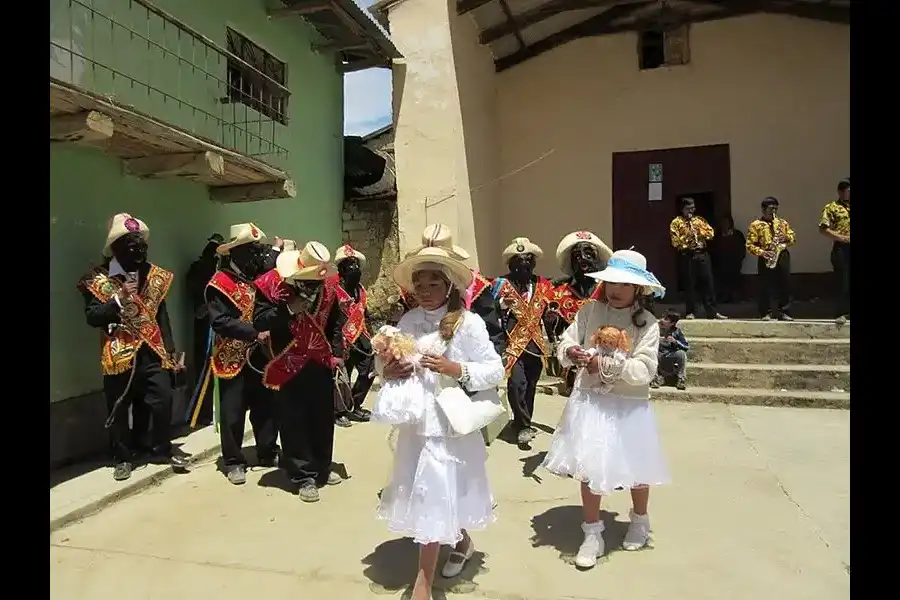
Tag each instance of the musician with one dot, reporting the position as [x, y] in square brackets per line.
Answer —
[230, 297]
[126, 301]
[357, 346]
[577, 254]
[689, 235]
[306, 324]
[768, 239]
[835, 225]
[521, 299]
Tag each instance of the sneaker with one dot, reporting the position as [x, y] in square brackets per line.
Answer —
[681, 384]
[360, 416]
[525, 436]
[456, 562]
[122, 471]
[842, 320]
[638, 533]
[592, 547]
[657, 381]
[333, 479]
[342, 421]
[719, 317]
[785, 317]
[237, 474]
[690, 316]
[309, 492]
[766, 318]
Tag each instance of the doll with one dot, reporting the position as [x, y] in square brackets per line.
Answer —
[399, 401]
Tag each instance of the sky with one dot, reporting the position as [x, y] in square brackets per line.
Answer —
[367, 98]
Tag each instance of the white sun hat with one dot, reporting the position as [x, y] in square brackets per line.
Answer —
[347, 251]
[240, 234]
[437, 259]
[522, 245]
[121, 225]
[440, 236]
[628, 266]
[579, 237]
[312, 263]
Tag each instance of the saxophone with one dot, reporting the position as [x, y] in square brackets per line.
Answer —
[697, 245]
[776, 247]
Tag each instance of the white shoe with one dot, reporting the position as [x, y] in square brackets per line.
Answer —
[456, 562]
[592, 547]
[638, 533]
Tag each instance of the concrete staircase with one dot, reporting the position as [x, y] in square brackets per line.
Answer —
[799, 363]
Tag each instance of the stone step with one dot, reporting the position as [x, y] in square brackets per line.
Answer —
[734, 328]
[754, 397]
[823, 378]
[799, 351]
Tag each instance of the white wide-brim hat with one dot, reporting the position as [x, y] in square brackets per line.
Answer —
[563, 257]
[288, 245]
[121, 225]
[347, 251]
[312, 263]
[440, 236]
[628, 266]
[240, 234]
[436, 259]
[522, 245]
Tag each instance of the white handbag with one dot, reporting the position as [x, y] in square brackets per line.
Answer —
[464, 414]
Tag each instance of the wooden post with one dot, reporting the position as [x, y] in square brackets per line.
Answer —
[253, 191]
[191, 165]
[86, 127]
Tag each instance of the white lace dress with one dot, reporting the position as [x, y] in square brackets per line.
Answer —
[439, 483]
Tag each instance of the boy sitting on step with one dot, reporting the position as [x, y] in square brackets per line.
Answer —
[673, 349]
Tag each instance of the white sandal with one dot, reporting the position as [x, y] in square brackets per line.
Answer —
[456, 562]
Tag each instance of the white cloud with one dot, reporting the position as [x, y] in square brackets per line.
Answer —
[367, 98]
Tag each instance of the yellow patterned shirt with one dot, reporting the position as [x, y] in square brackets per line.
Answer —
[681, 232]
[836, 218]
[760, 234]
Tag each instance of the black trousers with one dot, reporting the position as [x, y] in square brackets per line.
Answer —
[236, 396]
[363, 363]
[305, 413]
[774, 284]
[728, 279]
[672, 362]
[522, 386]
[699, 286]
[150, 394]
[840, 262]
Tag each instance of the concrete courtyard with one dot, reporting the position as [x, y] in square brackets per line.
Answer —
[759, 508]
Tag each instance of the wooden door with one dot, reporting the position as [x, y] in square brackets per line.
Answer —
[644, 224]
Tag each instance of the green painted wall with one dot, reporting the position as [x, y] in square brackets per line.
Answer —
[87, 186]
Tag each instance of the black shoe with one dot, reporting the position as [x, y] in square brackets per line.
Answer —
[178, 459]
[681, 385]
[657, 381]
[359, 416]
[343, 421]
[122, 471]
[268, 461]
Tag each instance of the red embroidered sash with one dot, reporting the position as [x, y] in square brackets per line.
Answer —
[230, 355]
[355, 312]
[138, 318]
[566, 302]
[529, 315]
[308, 342]
[479, 284]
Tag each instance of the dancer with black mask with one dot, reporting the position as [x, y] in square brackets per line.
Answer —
[127, 303]
[351, 296]
[301, 311]
[521, 299]
[578, 254]
[237, 347]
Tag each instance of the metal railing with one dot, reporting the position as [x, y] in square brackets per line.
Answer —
[137, 55]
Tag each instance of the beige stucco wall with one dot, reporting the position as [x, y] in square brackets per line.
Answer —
[776, 88]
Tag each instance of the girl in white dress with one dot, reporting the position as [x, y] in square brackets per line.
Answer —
[607, 437]
[439, 488]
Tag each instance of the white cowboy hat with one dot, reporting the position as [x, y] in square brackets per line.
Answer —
[240, 234]
[522, 245]
[579, 237]
[430, 258]
[121, 225]
[288, 245]
[347, 251]
[311, 263]
[439, 236]
[628, 266]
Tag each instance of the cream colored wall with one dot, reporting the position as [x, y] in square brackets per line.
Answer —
[776, 88]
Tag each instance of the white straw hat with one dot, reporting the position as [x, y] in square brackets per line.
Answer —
[522, 245]
[579, 237]
[240, 234]
[440, 236]
[121, 225]
[628, 266]
[310, 264]
[347, 251]
[429, 258]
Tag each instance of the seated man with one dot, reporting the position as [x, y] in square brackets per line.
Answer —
[673, 349]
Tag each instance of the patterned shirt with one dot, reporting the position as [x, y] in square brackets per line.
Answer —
[760, 234]
[836, 218]
[682, 232]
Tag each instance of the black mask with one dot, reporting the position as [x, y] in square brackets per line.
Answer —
[308, 291]
[249, 258]
[585, 259]
[350, 272]
[130, 250]
[521, 267]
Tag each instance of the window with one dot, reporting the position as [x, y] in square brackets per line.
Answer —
[663, 48]
[246, 86]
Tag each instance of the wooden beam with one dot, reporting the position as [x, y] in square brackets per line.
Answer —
[303, 7]
[464, 6]
[87, 127]
[543, 12]
[510, 20]
[830, 13]
[191, 165]
[254, 191]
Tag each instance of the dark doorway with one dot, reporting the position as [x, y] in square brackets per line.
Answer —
[639, 220]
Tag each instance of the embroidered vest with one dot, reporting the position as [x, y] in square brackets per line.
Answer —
[479, 284]
[528, 314]
[355, 312]
[230, 355]
[138, 320]
[308, 338]
[565, 301]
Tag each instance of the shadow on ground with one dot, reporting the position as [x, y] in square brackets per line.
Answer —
[277, 478]
[560, 528]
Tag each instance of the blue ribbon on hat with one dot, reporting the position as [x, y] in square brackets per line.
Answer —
[624, 265]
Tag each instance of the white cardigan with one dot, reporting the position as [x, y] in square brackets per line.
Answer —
[640, 367]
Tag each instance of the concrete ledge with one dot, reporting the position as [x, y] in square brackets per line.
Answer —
[823, 378]
[751, 397]
[733, 328]
[85, 494]
[803, 351]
